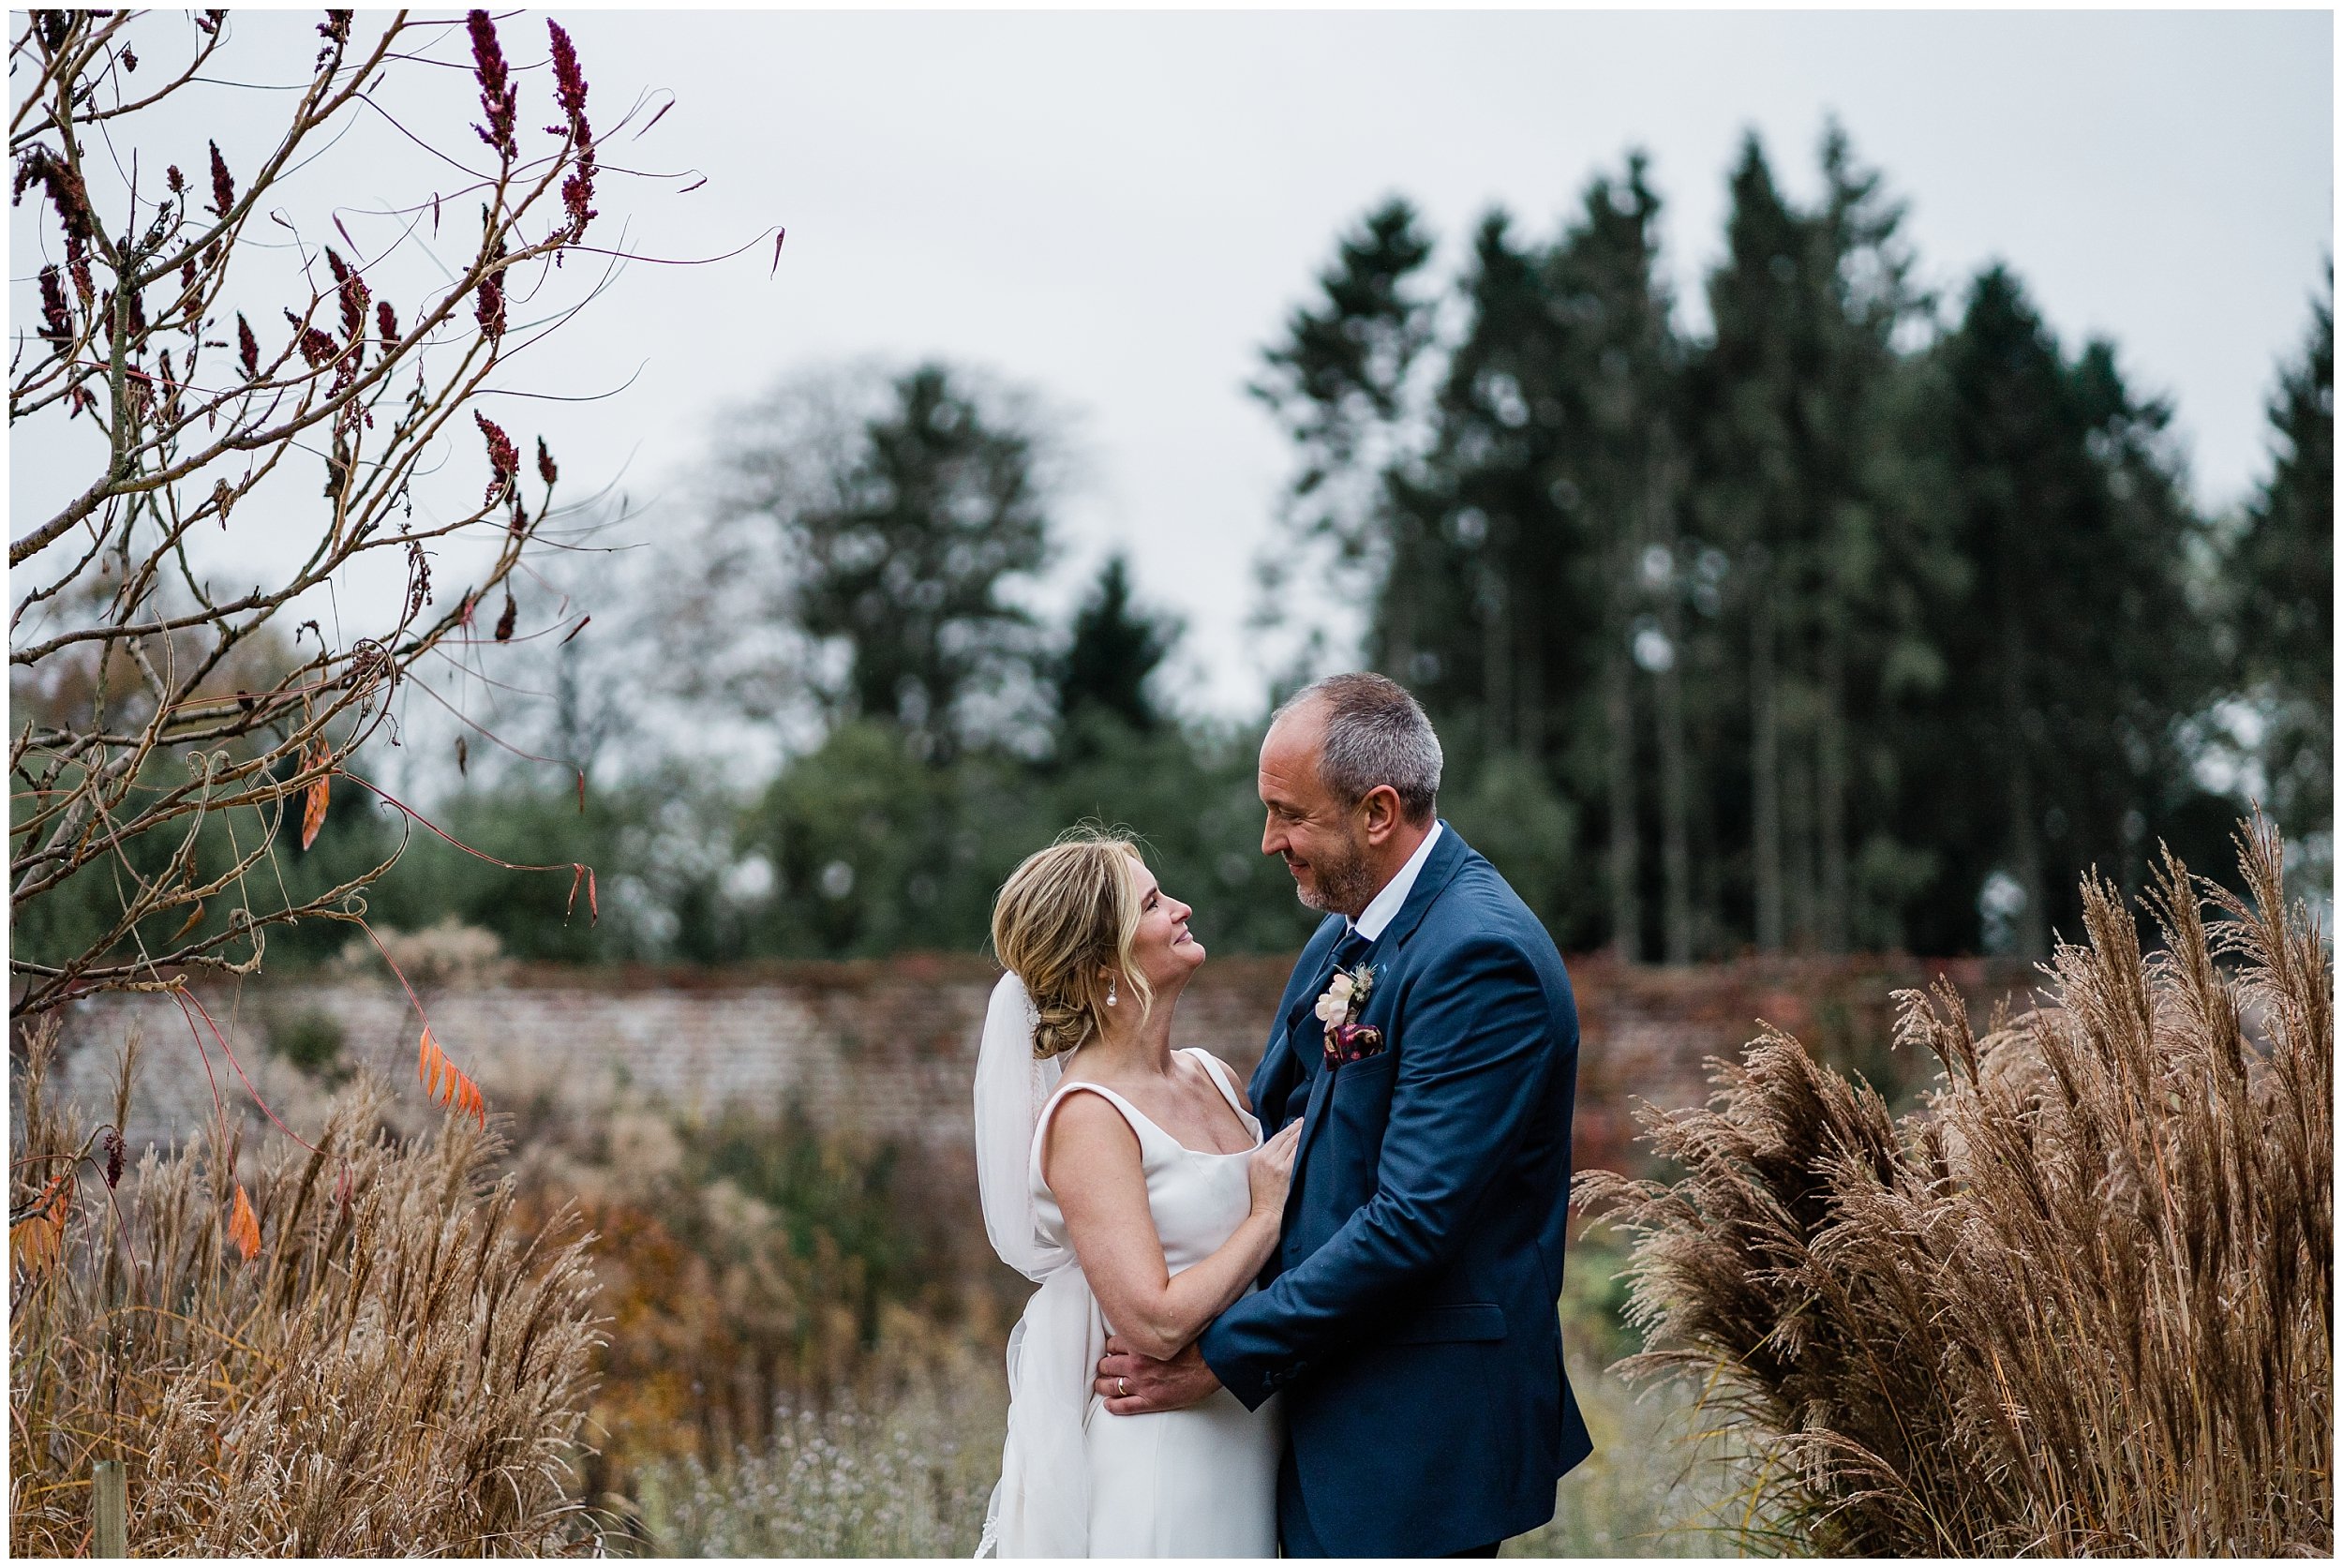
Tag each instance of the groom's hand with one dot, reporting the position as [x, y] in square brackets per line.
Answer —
[1134, 1384]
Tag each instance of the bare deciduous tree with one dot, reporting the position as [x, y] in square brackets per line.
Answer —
[200, 340]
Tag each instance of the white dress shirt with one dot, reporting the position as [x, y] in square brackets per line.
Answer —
[1384, 907]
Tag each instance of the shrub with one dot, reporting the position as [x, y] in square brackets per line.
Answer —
[359, 1354]
[2080, 1300]
[751, 1264]
[312, 1040]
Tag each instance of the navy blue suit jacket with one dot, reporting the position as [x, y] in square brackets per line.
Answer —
[1410, 1313]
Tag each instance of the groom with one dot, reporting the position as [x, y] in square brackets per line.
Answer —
[1410, 1313]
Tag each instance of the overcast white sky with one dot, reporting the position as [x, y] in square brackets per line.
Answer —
[1118, 210]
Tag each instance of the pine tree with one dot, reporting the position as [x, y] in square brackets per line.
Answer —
[1749, 387]
[2282, 572]
[1793, 423]
[1114, 651]
[1489, 561]
[1518, 542]
[1493, 602]
[1842, 625]
[2075, 648]
[1338, 381]
[1865, 268]
[2024, 478]
[1611, 390]
[904, 558]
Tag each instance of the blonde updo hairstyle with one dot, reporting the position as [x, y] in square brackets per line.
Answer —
[1063, 921]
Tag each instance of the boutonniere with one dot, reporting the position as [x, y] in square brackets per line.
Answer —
[1338, 1006]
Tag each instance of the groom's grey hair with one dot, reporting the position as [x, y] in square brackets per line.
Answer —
[1376, 734]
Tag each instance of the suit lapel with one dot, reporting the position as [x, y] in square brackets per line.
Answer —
[1322, 973]
[1281, 1066]
[1313, 1116]
[1440, 869]
[1321, 1077]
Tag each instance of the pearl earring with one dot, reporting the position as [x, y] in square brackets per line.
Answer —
[1110, 993]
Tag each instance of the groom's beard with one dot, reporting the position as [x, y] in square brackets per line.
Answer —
[1345, 883]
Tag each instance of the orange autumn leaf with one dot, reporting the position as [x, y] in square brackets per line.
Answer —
[243, 1226]
[314, 801]
[37, 1232]
[445, 1084]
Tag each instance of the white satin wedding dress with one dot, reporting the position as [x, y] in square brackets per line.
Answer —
[1201, 1482]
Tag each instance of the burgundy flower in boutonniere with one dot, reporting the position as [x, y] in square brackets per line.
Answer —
[1338, 1008]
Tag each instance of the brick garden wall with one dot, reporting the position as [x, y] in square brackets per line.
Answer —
[887, 1048]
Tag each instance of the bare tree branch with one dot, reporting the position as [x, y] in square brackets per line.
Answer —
[123, 656]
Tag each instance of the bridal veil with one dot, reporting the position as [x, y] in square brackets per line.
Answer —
[1041, 1505]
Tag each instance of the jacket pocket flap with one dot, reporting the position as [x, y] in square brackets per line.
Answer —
[1471, 1320]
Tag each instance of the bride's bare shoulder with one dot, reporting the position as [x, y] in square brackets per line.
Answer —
[1213, 1067]
[1087, 1129]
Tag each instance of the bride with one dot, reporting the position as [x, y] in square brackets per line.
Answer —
[1132, 1181]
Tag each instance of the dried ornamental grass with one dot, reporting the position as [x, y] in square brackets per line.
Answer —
[2081, 1301]
[395, 1369]
[893, 1471]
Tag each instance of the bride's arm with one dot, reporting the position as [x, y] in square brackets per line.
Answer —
[1091, 1160]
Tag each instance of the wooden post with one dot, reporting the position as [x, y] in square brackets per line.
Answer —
[112, 1533]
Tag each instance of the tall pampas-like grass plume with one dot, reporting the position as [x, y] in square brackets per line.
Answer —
[2081, 1300]
[351, 1349]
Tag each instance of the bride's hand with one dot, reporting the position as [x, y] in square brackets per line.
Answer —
[1271, 1170]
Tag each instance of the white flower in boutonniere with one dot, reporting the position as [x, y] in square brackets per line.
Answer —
[1334, 1003]
[1338, 1009]
[1345, 994]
